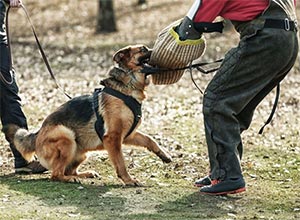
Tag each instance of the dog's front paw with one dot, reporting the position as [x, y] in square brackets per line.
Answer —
[133, 183]
[165, 157]
[66, 179]
[93, 174]
[89, 174]
[73, 179]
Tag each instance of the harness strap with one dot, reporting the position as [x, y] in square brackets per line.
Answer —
[273, 109]
[131, 103]
[99, 124]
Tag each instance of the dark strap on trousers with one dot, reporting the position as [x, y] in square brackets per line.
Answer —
[285, 24]
[273, 109]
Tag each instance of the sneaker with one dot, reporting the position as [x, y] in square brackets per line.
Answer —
[224, 187]
[205, 181]
[33, 167]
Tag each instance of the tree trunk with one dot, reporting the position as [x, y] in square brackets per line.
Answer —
[140, 2]
[106, 17]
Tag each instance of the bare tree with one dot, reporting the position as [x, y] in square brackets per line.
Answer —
[106, 21]
[140, 2]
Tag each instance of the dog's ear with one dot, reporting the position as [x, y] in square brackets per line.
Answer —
[122, 55]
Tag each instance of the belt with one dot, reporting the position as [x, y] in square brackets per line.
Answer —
[285, 24]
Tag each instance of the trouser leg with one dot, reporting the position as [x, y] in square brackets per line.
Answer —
[248, 73]
[3, 38]
[10, 106]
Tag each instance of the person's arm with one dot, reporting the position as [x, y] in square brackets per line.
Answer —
[206, 10]
[199, 19]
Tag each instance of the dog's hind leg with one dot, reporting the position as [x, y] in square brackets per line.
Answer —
[63, 158]
[56, 148]
[112, 143]
[72, 169]
[140, 139]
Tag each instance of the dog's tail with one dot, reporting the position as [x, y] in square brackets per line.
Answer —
[23, 140]
[25, 143]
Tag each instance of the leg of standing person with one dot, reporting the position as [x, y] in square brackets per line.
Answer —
[248, 73]
[10, 102]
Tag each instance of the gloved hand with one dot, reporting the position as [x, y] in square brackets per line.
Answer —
[187, 31]
[15, 3]
[176, 46]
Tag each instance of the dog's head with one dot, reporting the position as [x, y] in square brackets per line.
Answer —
[132, 57]
[127, 72]
[126, 76]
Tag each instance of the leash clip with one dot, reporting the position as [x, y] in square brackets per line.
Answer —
[287, 24]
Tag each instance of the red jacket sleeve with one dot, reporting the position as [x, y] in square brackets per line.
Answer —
[206, 10]
[239, 10]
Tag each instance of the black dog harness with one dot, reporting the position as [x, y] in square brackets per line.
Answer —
[131, 103]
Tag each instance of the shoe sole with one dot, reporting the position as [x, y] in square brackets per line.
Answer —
[200, 185]
[28, 171]
[23, 171]
[225, 193]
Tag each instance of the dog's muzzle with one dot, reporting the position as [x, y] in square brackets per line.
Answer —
[145, 58]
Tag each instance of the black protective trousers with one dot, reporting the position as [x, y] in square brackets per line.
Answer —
[10, 102]
[248, 73]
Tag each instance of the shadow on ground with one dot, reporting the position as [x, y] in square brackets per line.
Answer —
[98, 201]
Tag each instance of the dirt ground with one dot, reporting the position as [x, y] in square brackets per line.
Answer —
[171, 114]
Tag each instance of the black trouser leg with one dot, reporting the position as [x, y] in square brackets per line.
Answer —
[248, 73]
[10, 106]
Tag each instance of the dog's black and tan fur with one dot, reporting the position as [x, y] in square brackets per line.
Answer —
[68, 133]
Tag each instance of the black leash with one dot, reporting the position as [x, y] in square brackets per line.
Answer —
[39, 47]
[198, 67]
[194, 82]
[149, 70]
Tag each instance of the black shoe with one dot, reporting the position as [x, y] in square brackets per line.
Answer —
[205, 181]
[33, 167]
[223, 187]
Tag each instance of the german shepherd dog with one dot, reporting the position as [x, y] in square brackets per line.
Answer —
[69, 133]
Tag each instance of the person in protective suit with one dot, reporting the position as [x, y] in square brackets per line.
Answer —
[266, 52]
[10, 107]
